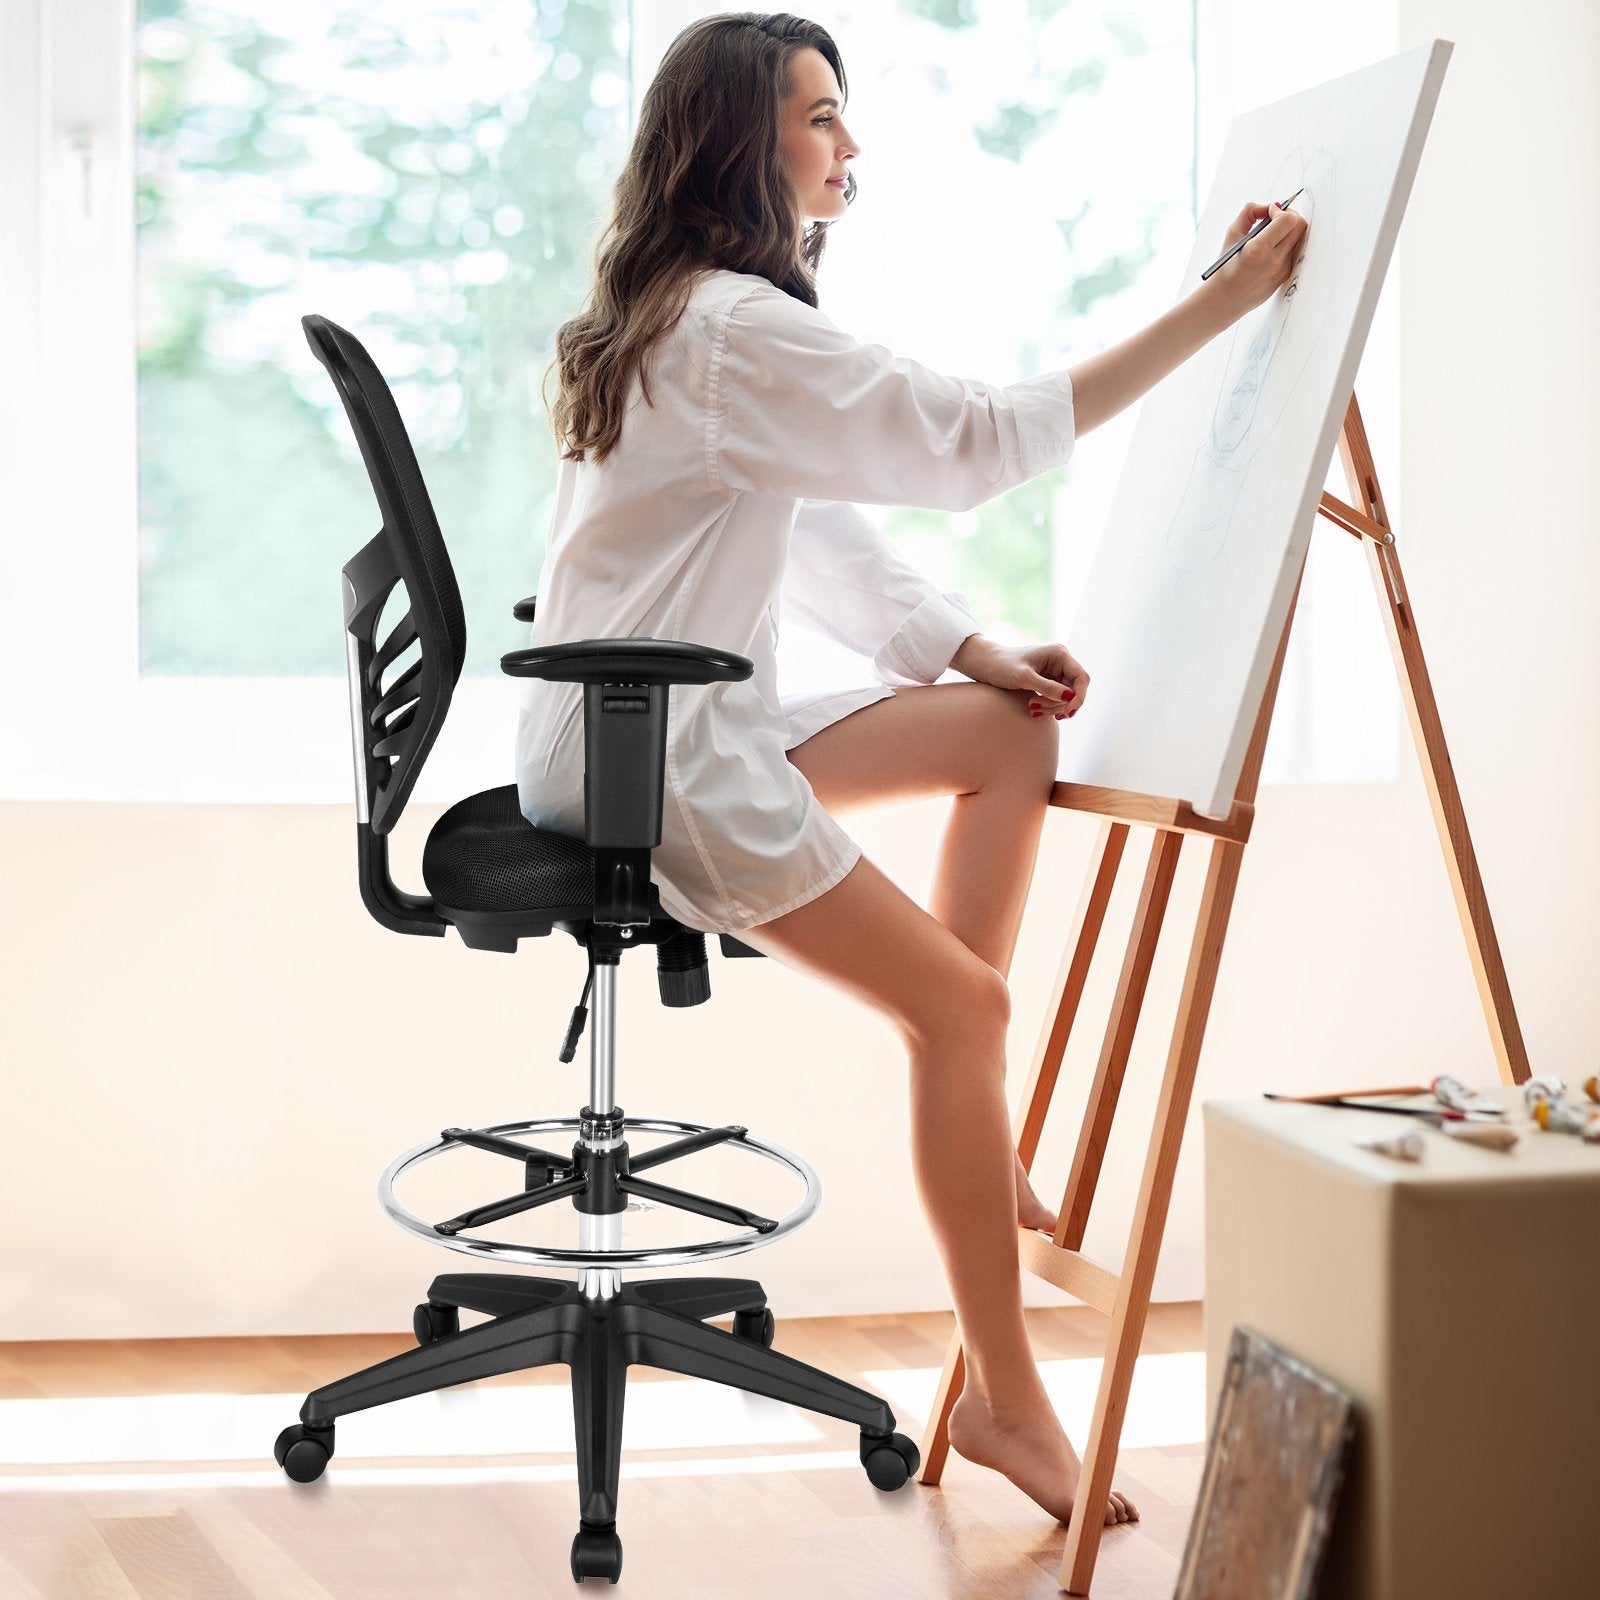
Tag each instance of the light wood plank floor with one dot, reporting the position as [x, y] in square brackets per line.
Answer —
[464, 1527]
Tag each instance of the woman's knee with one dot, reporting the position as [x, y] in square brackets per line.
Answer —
[968, 1005]
[868, 937]
[1018, 746]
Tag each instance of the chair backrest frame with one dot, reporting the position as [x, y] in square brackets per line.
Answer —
[399, 718]
[397, 706]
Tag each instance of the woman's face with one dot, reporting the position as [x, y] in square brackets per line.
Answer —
[815, 143]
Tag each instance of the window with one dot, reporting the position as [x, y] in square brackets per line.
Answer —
[425, 172]
[192, 176]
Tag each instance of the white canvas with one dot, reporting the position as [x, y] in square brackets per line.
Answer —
[1196, 567]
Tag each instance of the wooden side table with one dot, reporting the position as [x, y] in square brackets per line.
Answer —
[1458, 1299]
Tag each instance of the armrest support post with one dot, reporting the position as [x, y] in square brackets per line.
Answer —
[625, 747]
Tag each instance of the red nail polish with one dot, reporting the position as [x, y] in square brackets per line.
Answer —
[1068, 695]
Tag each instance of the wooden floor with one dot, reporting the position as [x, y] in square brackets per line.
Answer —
[711, 1525]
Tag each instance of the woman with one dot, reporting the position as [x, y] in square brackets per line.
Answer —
[716, 431]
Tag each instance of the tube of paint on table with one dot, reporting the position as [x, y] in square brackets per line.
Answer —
[1556, 1116]
[1452, 1092]
[1549, 1087]
[1405, 1147]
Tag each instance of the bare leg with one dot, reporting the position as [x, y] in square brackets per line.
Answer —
[979, 744]
[866, 936]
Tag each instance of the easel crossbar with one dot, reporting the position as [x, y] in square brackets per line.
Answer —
[1070, 1272]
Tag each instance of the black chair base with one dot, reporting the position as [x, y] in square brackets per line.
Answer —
[536, 1322]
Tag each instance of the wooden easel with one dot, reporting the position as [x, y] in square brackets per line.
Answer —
[1125, 1296]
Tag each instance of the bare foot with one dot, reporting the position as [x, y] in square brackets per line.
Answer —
[1035, 1454]
[1032, 1212]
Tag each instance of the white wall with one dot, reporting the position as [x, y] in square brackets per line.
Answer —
[202, 1085]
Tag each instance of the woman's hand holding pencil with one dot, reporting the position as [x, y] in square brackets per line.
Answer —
[1263, 263]
[1264, 244]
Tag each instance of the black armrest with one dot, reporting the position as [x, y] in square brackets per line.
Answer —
[628, 661]
[625, 746]
[523, 609]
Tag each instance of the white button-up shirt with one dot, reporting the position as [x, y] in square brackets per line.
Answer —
[730, 500]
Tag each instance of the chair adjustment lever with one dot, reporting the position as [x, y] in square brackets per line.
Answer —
[569, 1046]
[580, 1015]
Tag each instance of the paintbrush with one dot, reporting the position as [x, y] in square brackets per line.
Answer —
[1347, 1094]
[1433, 1114]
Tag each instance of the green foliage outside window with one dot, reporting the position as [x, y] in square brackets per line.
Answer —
[457, 220]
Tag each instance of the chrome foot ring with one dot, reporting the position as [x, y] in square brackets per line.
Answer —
[663, 1256]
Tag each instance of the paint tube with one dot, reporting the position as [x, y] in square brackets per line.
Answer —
[1452, 1092]
[1557, 1116]
[1549, 1087]
[1405, 1147]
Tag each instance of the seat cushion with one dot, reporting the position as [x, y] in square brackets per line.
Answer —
[484, 855]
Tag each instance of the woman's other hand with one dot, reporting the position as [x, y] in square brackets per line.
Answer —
[1264, 265]
[1051, 677]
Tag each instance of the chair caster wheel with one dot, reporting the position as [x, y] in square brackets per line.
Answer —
[596, 1553]
[758, 1326]
[890, 1461]
[430, 1322]
[304, 1452]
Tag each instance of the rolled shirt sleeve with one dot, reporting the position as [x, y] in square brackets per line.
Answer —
[846, 580]
[795, 406]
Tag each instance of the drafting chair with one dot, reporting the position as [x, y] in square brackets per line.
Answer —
[496, 879]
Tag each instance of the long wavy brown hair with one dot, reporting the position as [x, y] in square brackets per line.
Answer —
[705, 185]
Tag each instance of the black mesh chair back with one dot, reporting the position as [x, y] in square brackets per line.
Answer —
[403, 700]
[493, 876]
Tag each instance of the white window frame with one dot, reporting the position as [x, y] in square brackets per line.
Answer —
[80, 720]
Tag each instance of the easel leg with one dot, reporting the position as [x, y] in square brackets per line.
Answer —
[1166, 1140]
[1132, 981]
[1150, 1217]
[935, 1446]
[1427, 732]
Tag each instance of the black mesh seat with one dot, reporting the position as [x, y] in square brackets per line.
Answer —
[483, 856]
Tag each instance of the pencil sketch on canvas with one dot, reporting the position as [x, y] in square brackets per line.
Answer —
[1196, 567]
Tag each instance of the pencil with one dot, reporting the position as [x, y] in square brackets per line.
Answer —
[1228, 255]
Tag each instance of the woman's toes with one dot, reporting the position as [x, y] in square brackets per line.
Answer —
[1121, 1509]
